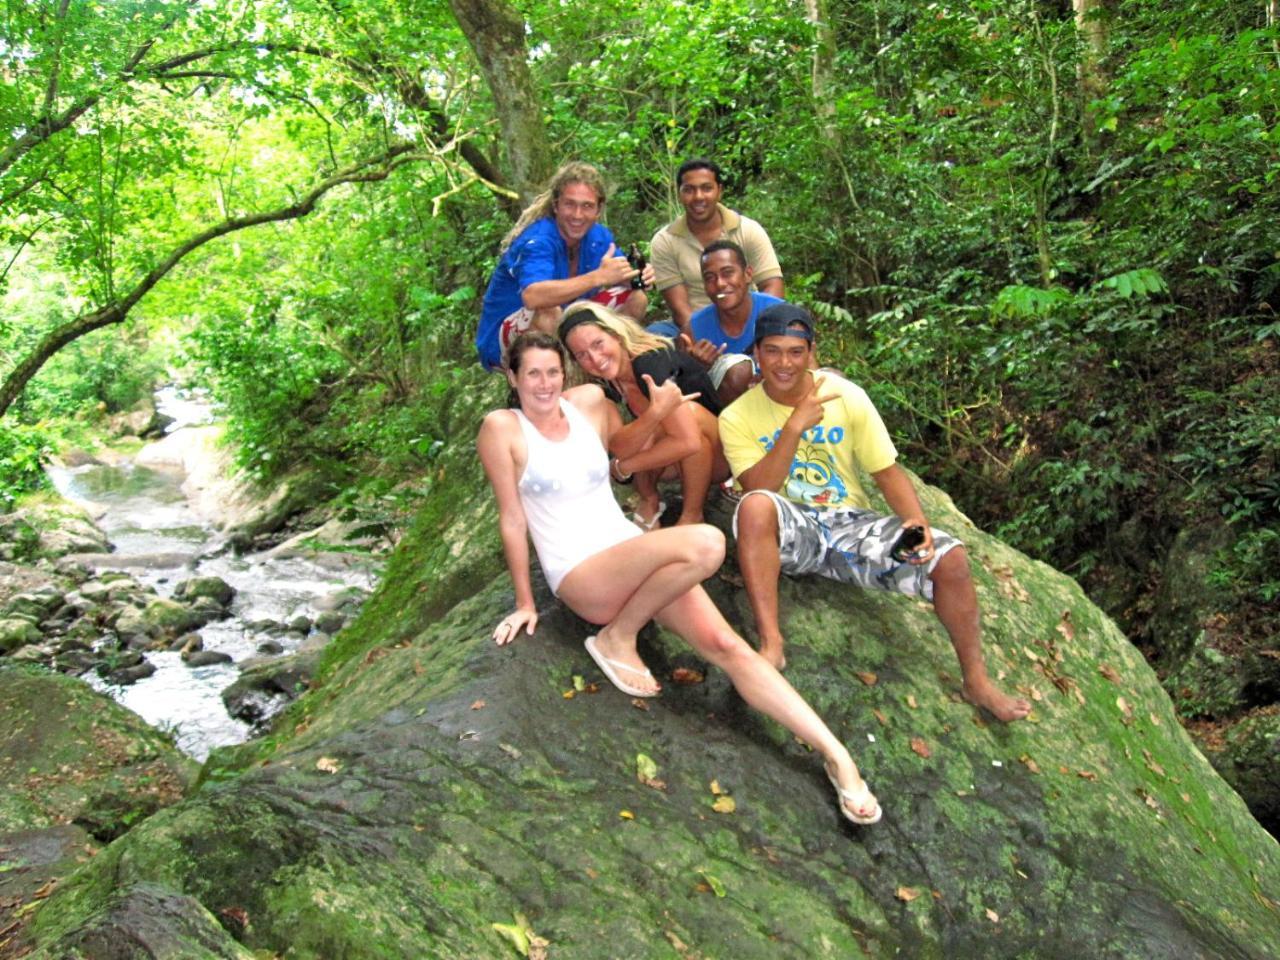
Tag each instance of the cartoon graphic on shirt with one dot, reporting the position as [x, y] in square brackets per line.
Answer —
[813, 478]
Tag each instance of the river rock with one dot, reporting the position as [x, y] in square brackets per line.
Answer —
[16, 632]
[32, 653]
[188, 643]
[162, 619]
[270, 647]
[205, 658]
[266, 685]
[212, 588]
[329, 622]
[434, 784]
[300, 624]
[34, 606]
[19, 540]
[124, 676]
[141, 421]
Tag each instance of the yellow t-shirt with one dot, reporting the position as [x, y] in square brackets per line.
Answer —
[824, 471]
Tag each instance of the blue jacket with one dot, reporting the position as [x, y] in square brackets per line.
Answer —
[539, 253]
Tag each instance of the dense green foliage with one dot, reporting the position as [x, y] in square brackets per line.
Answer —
[1064, 302]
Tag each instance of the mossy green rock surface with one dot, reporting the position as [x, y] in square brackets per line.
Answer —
[71, 755]
[434, 789]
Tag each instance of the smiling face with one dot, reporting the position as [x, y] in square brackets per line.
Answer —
[539, 380]
[784, 366]
[598, 352]
[577, 209]
[726, 281]
[699, 193]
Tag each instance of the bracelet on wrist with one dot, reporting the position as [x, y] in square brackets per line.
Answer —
[615, 469]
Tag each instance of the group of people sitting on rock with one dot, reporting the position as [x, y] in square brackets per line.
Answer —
[728, 388]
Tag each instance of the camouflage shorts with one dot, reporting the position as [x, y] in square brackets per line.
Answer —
[851, 546]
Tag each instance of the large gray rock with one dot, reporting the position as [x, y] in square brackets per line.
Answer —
[212, 588]
[433, 785]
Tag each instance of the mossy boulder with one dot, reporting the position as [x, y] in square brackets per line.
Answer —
[71, 755]
[16, 633]
[163, 619]
[435, 787]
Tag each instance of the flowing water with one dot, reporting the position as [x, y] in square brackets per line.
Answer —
[161, 541]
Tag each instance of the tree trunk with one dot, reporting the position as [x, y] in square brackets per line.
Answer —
[824, 57]
[1091, 70]
[378, 168]
[495, 32]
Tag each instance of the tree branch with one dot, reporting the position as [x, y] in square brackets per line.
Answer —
[367, 171]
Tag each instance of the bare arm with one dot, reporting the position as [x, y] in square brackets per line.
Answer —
[613, 270]
[901, 497]
[677, 437]
[773, 287]
[677, 298]
[496, 446]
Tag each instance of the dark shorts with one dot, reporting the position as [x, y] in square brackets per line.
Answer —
[852, 546]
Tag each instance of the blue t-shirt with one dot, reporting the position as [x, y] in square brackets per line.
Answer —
[705, 325]
[539, 253]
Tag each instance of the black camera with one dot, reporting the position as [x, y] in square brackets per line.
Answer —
[911, 538]
[637, 261]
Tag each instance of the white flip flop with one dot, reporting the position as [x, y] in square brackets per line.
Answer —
[608, 667]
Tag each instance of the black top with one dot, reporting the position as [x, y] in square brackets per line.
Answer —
[667, 362]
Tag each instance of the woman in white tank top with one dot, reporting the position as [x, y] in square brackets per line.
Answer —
[547, 463]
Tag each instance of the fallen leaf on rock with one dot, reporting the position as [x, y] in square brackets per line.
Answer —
[1031, 654]
[569, 694]
[687, 675]
[1064, 626]
[509, 750]
[45, 890]
[592, 687]
[724, 805]
[647, 772]
[626, 815]
[920, 747]
[1029, 763]
[639, 704]
[867, 677]
[592, 873]
[1087, 775]
[713, 883]
[328, 765]
[716, 789]
[579, 683]
[1036, 695]
[1063, 768]
[1186, 797]
[527, 943]
[1125, 709]
[1108, 671]
[992, 915]
[911, 701]
[477, 705]
[1009, 586]
[1155, 721]
[1152, 765]
[906, 894]
[879, 715]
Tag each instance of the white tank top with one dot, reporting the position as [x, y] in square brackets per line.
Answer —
[568, 503]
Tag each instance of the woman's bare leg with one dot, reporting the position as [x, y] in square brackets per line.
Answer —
[700, 469]
[695, 618]
[624, 586]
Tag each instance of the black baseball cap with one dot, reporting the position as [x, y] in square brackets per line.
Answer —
[781, 320]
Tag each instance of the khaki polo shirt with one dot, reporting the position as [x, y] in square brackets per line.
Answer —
[675, 253]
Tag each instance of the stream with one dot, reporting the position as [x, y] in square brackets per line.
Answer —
[161, 540]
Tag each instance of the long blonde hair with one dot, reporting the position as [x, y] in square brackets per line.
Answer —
[544, 203]
[634, 338]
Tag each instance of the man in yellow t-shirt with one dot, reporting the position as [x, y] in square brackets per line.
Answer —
[795, 442]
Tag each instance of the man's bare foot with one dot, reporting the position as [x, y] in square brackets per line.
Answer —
[857, 802]
[623, 659]
[771, 650]
[999, 704]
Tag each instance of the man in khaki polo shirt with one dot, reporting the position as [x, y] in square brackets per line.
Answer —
[676, 249]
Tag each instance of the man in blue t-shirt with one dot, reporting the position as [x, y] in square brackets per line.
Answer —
[724, 332]
[555, 254]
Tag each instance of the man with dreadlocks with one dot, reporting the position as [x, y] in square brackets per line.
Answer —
[555, 254]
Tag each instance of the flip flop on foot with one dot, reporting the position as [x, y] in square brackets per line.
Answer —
[652, 522]
[859, 800]
[610, 668]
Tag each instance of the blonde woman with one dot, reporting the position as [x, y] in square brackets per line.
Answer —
[616, 351]
[546, 461]
[555, 254]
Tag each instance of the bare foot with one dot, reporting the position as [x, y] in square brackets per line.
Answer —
[772, 651]
[626, 662]
[996, 702]
[857, 802]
